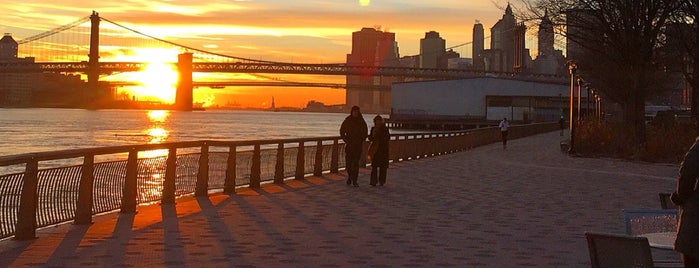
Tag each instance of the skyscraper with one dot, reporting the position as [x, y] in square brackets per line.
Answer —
[432, 47]
[478, 46]
[548, 59]
[507, 51]
[545, 36]
[371, 47]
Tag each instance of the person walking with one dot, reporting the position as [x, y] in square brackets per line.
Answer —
[503, 131]
[353, 132]
[686, 197]
[379, 137]
[562, 122]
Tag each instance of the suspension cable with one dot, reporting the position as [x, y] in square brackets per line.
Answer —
[54, 31]
[200, 50]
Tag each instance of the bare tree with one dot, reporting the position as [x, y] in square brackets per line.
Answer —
[615, 44]
[682, 37]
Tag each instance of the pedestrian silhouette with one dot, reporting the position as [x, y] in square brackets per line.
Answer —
[503, 131]
[379, 137]
[353, 132]
[562, 122]
[686, 196]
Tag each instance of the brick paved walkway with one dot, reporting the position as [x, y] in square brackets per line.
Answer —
[528, 205]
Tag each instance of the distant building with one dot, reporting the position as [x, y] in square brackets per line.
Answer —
[479, 101]
[371, 47]
[548, 60]
[35, 88]
[478, 46]
[432, 48]
[507, 51]
[8, 48]
[459, 63]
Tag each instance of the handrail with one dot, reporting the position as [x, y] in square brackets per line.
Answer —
[40, 197]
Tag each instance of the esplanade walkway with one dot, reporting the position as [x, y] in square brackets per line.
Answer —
[527, 206]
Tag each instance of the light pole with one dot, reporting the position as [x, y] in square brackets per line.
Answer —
[599, 108]
[572, 68]
[580, 82]
[589, 94]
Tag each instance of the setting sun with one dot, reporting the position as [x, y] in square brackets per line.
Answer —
[159, 80]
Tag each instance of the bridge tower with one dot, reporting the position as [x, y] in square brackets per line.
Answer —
[184, 95]
[93, 66]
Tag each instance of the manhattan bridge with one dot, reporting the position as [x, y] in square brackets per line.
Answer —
[63, 50]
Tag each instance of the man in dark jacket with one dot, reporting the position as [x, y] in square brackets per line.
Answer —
[353, 132]
[687, 198]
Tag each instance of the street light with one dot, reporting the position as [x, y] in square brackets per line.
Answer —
[572, 68]
[580, 82]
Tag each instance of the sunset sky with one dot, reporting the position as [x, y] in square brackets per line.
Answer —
[301, 31]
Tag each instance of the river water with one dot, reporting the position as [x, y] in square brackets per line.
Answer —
[37, 130]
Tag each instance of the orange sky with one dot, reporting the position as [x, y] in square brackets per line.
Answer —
[303, 31]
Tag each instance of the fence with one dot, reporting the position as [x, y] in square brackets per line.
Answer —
[75, 192]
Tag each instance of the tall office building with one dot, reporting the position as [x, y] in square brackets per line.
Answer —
[548, 60]
[507, 51]
[545, 36]
[432, 48]
[478, 46]
[371, 47]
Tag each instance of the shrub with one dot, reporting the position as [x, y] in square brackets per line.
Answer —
[666, 142]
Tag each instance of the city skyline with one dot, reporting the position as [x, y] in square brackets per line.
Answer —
[302, 32]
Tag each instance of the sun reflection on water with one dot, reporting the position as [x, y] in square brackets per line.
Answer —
[158, 116]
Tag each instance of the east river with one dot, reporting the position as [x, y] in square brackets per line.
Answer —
[38, 130]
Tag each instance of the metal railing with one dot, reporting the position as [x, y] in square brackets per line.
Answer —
[40, 197]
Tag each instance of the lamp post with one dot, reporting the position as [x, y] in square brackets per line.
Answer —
[580, 82]
[589, 94]
[599, 107]
[572, 68]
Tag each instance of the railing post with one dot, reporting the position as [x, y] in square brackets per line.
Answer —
[231, 165]
[279, 166]
[26, 216]
[202, 187]
[130, 191]
[300, 162]
[255, 173]
[83, 211]
[335, 157]
[318, 165]
[170, 175]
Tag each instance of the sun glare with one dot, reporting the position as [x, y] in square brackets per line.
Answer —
[364, 3]
[159, 80]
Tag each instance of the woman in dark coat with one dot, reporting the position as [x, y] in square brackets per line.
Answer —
[353, 132]
[687, 198]
[379, 137]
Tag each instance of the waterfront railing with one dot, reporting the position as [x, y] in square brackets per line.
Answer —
[74, 185]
